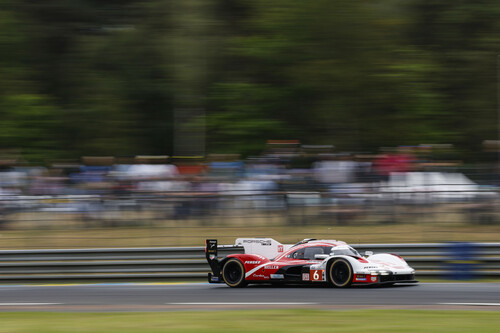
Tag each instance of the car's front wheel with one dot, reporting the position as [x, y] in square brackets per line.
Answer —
[233, 273]
[340, 273]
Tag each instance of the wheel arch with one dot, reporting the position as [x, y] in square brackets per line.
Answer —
[249, 261]
[355, 264]
[349, 260]
[241, 282]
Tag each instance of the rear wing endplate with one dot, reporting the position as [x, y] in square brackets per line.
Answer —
[211, 255]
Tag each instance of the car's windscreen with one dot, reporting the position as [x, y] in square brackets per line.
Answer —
[309, 253]
[346, 252]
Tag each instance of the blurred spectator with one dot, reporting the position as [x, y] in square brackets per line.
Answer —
[335, 169]
[399, 161]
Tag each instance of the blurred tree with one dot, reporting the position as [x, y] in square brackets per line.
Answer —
[122, 90]
[107, 77]
[30, 123]
[28, 120]
[105, 65]
[463, 38]
[323, 71]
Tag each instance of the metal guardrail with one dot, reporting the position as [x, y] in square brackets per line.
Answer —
[188, 263]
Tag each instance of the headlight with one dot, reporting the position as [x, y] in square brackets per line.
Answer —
[380, 273]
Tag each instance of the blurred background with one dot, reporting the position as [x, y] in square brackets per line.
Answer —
[129, 123]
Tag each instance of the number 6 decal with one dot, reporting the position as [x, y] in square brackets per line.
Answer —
[317, 275]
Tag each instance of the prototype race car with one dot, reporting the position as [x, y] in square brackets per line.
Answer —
[309, 261]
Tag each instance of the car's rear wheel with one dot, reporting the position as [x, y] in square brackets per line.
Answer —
[340, 273]
[233, 273]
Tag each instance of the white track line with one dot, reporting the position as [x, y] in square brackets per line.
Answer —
[27, 304]
[243, 303]
[476, 304]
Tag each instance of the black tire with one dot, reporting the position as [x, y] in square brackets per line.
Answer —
[340, 273]
[233, 273]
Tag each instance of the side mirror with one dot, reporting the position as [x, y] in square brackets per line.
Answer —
[368, 253]
[321, 256]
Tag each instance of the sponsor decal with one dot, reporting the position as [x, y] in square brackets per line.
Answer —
[261, 276]
[373, 278]
[277, 276]
[305, 276]
[258, 241]
[316, 275]
[211, 245]
[252, 262]
[271, 267]
[280, 248]
[361, 277]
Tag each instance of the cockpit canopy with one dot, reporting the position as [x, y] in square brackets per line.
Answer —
[310, 252]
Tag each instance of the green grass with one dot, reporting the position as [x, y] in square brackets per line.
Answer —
[182, 233]
[378, 224]
[314, 321]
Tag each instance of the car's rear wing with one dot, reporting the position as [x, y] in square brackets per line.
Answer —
[266, 247]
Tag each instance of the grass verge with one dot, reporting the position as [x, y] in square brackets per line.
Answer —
[184, 234]
[250, 321]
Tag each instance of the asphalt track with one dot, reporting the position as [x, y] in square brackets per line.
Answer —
[204, 296]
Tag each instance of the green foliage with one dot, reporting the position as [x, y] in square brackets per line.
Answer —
[30, 123]
[94, 77]
[334, 73]
[463, 40]
[297, 320]
[242, 123]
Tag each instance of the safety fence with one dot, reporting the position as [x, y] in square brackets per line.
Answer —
[343, 204]
[183, 219]
[452, 260]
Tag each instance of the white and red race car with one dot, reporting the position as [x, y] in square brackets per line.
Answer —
[310, 261]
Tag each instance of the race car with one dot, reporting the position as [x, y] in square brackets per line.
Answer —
[330, 262]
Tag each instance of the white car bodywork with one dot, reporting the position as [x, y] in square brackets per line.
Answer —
[370, 268]
[375, 265]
